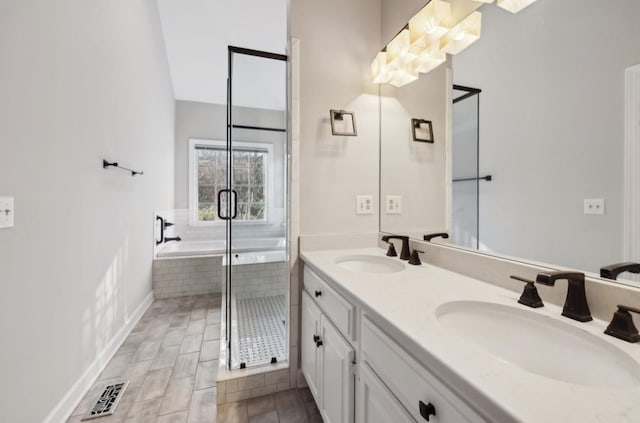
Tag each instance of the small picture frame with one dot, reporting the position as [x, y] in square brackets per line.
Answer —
[343, 123]
[422, 130]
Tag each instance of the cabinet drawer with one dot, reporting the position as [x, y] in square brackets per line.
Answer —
[339, 310]
[410, 382]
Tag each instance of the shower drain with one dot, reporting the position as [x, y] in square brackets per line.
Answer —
[107, 401]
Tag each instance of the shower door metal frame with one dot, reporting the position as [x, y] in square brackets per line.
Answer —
[471, 92]
[231, 207]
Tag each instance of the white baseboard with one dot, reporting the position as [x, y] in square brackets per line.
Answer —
[72, 398]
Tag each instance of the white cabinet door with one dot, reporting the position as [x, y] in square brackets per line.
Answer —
[310, 331]
[336, 364]
[375, 403]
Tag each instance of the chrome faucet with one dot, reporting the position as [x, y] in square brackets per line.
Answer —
[404, 253]
[575, 305]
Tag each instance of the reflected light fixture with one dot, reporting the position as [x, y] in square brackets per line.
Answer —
[403, 76]
[463, 34]
[429, 24]
[399, 52]
[514, 6]
[423, 44]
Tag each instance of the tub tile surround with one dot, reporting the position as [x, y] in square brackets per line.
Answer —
[187, 276]
[403, 304]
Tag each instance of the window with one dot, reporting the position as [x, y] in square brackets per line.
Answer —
[208, 176]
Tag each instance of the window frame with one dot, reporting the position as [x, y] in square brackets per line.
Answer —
[267, 147]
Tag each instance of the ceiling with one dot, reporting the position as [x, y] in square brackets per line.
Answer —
[197, 34]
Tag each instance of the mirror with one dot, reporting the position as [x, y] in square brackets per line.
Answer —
[414, 194]
[551, 135]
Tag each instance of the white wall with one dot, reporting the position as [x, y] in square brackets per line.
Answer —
[80, 81]
[338, 41]
[551, 128]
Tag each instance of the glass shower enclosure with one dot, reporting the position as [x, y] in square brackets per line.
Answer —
[253, 204]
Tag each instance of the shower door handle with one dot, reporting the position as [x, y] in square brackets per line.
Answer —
[235, 204]
[226, 191]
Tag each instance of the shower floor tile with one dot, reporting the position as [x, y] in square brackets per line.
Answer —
[261, 329]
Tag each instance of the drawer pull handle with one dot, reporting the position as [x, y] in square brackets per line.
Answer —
[318, 343]
[427, 410]
[316, 338]
[318, 293]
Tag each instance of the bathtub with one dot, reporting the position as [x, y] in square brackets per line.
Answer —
[197, 267]
[192, 249]
[218, 248]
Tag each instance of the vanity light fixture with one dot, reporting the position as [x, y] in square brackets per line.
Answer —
[422, 130]
[343, 123]
[431, 34]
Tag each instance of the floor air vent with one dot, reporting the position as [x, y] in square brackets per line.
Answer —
[107, 401]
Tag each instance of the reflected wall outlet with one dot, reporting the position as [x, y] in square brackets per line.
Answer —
[594, 206]
[6, 212]
[393, 205]
[364, 204]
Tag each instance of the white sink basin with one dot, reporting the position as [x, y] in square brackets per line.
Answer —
[540, 344]
[370, 264]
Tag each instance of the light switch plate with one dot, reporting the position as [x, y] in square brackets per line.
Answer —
[6, 212]
[393, 205]
[594, 206]
[364, 204]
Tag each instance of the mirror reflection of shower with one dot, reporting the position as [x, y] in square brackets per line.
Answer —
[465, 229]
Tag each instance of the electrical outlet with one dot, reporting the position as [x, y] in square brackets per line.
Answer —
[393, 204]
[6, 212]
[364, 204]
[594, 206]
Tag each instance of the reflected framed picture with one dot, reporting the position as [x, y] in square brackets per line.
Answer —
[422, 130]
[343, 123]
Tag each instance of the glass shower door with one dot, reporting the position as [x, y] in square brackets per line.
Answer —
[256, 261]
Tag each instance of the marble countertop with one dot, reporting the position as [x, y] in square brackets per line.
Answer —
[404, 304]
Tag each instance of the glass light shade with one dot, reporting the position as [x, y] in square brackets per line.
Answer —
[399, 52]
[514, 6]
[380, 72]
[429, 59]
[403, 76]
[463, 34]
[429, 23]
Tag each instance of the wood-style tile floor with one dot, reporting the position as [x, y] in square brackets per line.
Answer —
[171, 359]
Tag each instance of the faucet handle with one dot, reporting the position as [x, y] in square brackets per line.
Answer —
[415, 258]
[529, 296]
[391, 252]
[622, 326]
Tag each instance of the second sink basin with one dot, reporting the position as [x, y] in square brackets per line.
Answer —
[370, 264]
[540, 344]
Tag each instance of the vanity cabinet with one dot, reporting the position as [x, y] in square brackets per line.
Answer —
[414, 388]
[327, 358]
[376, 404]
